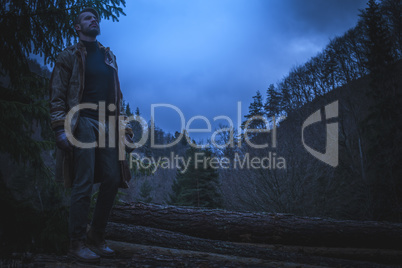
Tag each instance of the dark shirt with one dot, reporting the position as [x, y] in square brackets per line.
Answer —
[99, 80]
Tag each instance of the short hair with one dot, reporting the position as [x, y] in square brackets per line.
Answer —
[87, 9]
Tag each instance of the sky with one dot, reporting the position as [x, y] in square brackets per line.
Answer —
[189, 61]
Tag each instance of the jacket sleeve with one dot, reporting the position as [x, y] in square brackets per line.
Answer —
[58, 86]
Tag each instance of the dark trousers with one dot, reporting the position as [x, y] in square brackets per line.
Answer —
[88, 163]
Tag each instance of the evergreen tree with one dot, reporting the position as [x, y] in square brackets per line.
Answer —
[392, 10]
[36, 217]
[145, 191]
[255, 113]
[382, 126]
[137, 112]
[137, 126]
[196, 184]
[37, 27]
[378, 44]
[256, 124]
[128, 110]
[272, 105]
[286, 100]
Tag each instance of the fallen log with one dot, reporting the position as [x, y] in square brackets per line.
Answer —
[134, 255]
[306, 256]
[268, 228]
[151, 256]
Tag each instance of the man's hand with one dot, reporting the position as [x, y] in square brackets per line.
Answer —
[129, 140]
[62, 141]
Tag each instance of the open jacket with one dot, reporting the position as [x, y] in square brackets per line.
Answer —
[66, 88]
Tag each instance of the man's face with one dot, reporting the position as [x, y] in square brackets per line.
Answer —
[89, 25]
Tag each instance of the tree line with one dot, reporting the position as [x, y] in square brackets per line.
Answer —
[360, 70]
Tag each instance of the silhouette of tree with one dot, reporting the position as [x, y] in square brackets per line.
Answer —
[196, 184]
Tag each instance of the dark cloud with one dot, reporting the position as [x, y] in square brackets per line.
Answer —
[204, 56]
[323, 17]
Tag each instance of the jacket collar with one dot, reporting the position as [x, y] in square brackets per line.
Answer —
[80, 48]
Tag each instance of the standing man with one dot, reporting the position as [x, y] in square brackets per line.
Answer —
[85, 74]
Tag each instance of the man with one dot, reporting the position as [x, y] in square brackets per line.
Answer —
[86, 73]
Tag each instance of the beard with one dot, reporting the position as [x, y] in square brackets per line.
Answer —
[91, 32]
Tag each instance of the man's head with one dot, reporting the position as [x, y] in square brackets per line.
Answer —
[87, 24]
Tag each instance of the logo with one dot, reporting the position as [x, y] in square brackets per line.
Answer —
[330, 156]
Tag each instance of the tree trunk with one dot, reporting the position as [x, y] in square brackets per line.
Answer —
[265, 228]
[134, 255]
[334, 257]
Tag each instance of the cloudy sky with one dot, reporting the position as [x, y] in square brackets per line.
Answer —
[204, 56]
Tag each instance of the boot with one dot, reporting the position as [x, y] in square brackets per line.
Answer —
[79, 251]
[96, 242]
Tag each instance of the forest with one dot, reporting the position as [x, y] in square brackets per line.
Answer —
[187, 211]
[361, 71]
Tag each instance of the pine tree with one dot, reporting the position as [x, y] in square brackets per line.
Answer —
[256, 125]
[392, 10]
[137, 126]
[128, 110]
[37, 27]
[286, 100]
[382, 127]
[272, 105]
[378, 44]
[255, 113]
[196, 184]
[45, 28]
[145, 191]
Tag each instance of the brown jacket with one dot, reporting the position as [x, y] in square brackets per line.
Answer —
[66, 88]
